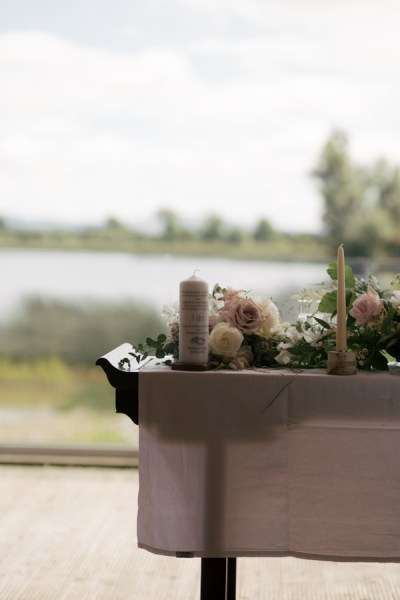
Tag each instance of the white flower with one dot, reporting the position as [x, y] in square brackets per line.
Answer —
[395, 299]
[225, 340]
[311, 336]
[283, 358]
[171, 311]
[271, 323]
[293, 334]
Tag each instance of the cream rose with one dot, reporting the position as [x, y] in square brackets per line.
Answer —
[244, 314]
[272, 321]
[366, 306]
[225, 340]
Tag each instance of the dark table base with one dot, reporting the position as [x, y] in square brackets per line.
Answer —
[218, 579]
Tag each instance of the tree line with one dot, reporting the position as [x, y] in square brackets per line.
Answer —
[360, 208]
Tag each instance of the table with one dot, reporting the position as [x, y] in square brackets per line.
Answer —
[264, 463]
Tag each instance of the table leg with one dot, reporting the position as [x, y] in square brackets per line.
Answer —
[218, 579]
[231, 579]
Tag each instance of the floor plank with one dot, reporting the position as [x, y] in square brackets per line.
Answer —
[70, 534]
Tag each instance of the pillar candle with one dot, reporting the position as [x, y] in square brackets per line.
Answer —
[341, 318]
[193, 321]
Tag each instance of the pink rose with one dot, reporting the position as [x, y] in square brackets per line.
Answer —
[366, 306]
[244, 314]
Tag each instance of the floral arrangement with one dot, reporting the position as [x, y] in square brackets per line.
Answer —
[246, 330]
[373, 324]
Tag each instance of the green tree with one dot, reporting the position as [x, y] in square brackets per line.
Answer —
[386, 178]
[342, 186]
[263, 231]
[115, 224]
[212, 229]
[170, 224]
[172, 229]
[235, 236]
[383, 189]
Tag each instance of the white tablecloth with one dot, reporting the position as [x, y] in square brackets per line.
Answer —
[269, 463]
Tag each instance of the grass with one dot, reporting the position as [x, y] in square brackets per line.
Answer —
[47, 400]
[53, 384]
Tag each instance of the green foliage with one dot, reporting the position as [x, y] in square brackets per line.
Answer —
[361, 203]
[341, 186]
[162, 348]
[75, 333]
[349, 279]
[263, 231]
[328, 302]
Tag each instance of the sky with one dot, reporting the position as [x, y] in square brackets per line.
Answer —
[123, 108]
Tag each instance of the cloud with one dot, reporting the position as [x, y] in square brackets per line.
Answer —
[230, 124]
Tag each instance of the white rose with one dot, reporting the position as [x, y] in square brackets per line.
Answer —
[395, 299]
[225, 340]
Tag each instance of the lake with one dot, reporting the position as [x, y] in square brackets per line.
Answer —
[154, 280]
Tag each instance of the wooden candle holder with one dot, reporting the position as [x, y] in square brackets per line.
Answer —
[342, 363]
[181, 366]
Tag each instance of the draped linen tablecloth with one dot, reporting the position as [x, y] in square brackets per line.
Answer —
[269, 463]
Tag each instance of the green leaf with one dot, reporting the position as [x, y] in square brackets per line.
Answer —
[162, 338]
[348, 274]
[328, 303]
[388, 356]
[160, 353]
[137, 357]
[349, 278]
[324, 324]
[332, 270]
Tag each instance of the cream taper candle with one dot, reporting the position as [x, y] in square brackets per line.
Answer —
[341, 316]
[193, 321]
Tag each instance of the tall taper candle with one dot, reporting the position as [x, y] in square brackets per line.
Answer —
[193, 321]
[341, 318]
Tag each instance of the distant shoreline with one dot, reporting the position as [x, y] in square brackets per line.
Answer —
[297, 248]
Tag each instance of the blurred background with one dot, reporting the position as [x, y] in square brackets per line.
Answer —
[143, 140]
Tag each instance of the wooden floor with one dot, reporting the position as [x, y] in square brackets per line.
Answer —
[69, 534]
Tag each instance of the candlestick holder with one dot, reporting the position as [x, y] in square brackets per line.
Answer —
[342, 362]
[181, 366]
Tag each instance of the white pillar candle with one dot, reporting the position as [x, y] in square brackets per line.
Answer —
[341, 318]
[193, 321]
